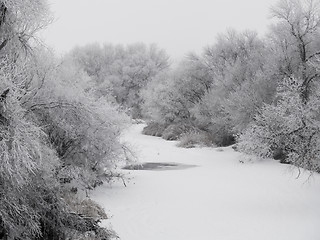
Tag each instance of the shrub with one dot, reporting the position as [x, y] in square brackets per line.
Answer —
[174, 131]
[83, 130]
[220, 135]
[32, 200]
[290, 127]
[154, 129]
[194, 138]
[86, 207]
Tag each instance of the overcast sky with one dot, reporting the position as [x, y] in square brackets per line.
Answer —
[178, 26]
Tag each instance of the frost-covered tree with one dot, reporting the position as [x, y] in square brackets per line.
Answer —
[295, 39]
[170, 97]
[239, 69]
[121, 72]
[163, 103]
[83, 130]
[219, 91]
[33, 194]
[55, 140]
[19, 22]
[25, 159]
[290, 125]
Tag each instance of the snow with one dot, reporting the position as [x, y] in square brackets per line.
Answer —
[219, 199]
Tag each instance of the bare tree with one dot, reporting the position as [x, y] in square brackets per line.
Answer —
[299, 27]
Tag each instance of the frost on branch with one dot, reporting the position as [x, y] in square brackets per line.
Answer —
[288, 125]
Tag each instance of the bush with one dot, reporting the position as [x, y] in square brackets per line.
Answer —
[154, 129]
[36, 129]
[174, 131]
[83, 130]
[193, 138]
[220, 135]
[290, 128]
[85, 207]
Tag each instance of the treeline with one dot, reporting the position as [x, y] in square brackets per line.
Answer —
[58, 139]
[119, 72]
[261, 93]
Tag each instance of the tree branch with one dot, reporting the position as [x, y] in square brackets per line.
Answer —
[313, 55]
[3, 44]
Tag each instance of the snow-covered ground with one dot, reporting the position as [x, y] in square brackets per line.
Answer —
[220, 199]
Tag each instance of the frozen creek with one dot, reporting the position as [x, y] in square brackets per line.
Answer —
[214, 198]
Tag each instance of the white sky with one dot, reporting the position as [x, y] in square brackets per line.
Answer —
[178, 26]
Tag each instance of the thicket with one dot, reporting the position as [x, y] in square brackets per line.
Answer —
[218, 92]
[290, 125]
[259, 92]
[120, 72]
[57, 140]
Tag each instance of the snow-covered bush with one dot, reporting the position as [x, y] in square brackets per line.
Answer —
[210, 116]
[288, 125]
[83, 130]
[121, 72]
[174, 131]
[194, 138]
[32, 203]
[39, 119]
[170, 96]
[163, 101]
[24, 159]
[154, 129]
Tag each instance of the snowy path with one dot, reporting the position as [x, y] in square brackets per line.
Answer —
[220, 199]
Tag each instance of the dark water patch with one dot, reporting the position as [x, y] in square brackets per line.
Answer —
[157, 166]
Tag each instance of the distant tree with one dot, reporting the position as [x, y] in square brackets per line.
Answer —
[91, 59]
[121, 72]
[170, 96]
[163, 102]
[241, 83]
[219, 91]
